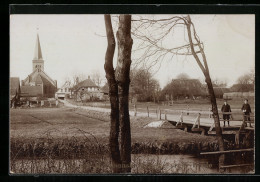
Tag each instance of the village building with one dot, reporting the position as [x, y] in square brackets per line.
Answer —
[15, 91]
[104, 92]
[87, 90]
[38, 84]
[64, 91]
[220, 91]
[183, 88]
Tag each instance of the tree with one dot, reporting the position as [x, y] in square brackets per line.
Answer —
[152, 35]
[118, 82]
[97, 78]
[219, 82]
[144, 85]
[183, 76]
[245, 79]
[244, 83]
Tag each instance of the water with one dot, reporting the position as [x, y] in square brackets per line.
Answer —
[172, 164]
[185, 164]
[141, 164]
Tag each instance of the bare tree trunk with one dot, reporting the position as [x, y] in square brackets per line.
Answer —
[216, 118]
[123, 79]
[205, 71]
[113, 95]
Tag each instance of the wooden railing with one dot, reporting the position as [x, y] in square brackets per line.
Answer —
[196, 124]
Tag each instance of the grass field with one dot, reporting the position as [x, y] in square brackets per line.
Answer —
[61, 122]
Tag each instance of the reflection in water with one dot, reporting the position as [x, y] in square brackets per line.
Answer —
[141, 164]
[182, 164]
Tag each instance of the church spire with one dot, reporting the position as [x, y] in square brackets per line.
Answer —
[37, 51]
[37, 63]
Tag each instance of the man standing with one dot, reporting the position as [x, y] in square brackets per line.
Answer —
[246, 110]
[226, 108]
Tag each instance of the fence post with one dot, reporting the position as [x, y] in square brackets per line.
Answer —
[165, 114]
[181, 119]
[135, 109]
[188, 109]
[199, 121]
[160, 113]
[209, 112]
[42, 103]
[148, 111]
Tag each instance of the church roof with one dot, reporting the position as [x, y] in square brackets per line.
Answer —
[14, 85]
[40, 77]
[37, 51]
[31, 91]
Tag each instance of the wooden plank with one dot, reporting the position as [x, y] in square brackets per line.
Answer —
[236, 165]
[249, 128]
[232, 132]
[197, 129]
[212, 126]
[181, 126]
[227, 151]
[202, 130]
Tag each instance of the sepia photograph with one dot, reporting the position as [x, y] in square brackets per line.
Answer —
[132, 94]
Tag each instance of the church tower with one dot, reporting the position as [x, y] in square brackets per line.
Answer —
[38, 62]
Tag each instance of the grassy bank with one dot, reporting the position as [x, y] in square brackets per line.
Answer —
[87, 155]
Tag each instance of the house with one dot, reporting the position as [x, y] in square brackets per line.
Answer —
[86, 90]
[242, 88]
[239, 95]
[38, 84]
[104, 92]
[182, 88]
[220, 91]
[64, 91]
[15, 91]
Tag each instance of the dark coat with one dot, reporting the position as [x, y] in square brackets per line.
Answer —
[247, 108]
[226, 108]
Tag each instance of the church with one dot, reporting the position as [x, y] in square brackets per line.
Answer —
[38, 84]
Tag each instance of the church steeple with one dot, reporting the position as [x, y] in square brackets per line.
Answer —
[37, 51]
[38, 62]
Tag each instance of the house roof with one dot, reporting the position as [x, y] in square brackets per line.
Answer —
[220, 90]
[184, 86]
[86, 83]
[105, 88]
[31, 91]
[14, 85]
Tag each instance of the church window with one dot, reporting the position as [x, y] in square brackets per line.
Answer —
[61, 90]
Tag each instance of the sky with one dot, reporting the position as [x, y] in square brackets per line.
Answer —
[76, 44]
